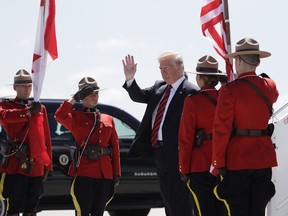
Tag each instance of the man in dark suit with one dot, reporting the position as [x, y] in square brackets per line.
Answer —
[165, 99]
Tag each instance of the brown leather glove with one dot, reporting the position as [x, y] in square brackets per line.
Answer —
[116, 180]
[221, 171]
[184, 177]
[35, 107]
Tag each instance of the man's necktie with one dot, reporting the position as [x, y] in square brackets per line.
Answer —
[159, 116]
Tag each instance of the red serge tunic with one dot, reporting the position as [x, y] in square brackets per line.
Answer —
[242, 107]
[198, 112]
[13, 118]
[80, 124]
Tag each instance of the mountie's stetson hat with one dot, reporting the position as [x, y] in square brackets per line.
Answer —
[207, 65]
[248, 46]
[22, 77]
[88, 81]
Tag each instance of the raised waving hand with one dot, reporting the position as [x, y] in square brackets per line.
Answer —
[129, 67]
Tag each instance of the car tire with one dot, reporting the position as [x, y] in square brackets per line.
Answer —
[129, 212]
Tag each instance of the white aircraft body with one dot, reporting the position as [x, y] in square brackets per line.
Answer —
[278, 206]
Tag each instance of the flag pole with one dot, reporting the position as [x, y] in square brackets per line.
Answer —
[227, 25]
[228, 34]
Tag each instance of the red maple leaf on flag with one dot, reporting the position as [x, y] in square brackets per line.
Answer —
[45, 45]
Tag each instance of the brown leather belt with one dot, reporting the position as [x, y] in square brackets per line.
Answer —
[249, 132]
[101, 151]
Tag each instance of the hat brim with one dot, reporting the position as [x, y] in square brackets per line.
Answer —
[98, 90]
[262, 54]
[11, 84]
[208, 73]
[22, 84]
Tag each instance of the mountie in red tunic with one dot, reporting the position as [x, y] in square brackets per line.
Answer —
[198, 113]
[35, 134]
[240, 106]
[80, 124]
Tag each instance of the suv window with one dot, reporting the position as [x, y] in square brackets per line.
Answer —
[124, 131]
[2, 133]
[59, 132]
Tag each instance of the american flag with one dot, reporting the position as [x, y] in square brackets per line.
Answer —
[45, 45]
[213, 27]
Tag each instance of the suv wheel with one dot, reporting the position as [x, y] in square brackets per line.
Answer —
[130, 212]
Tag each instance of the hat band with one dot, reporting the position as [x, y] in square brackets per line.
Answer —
[242, 50]
[205, 69]
[94, 88]
[22, 82]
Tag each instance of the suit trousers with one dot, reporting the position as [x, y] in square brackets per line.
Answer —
[175, 194]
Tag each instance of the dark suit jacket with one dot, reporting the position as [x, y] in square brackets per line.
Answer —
[151, 96]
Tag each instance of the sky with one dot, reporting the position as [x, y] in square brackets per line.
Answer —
[94, 36]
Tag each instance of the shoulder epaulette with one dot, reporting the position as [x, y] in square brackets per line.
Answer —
[230, 82]
[213, 100]
[264, 75]
[194, 93]
[5, 100]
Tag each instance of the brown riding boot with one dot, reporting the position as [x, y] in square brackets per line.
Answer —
[29, 214]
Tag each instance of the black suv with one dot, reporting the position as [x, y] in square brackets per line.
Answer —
[138, 190]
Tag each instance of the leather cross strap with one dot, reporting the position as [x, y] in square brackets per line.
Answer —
[253, 86]
[96, 124]
[213, 100]
[18, 134]
[97, 118]
[255, 132]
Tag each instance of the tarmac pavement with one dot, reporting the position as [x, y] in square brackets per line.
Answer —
[153, 212]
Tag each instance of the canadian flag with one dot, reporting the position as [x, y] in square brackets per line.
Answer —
[45, 45]
[45, 49]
